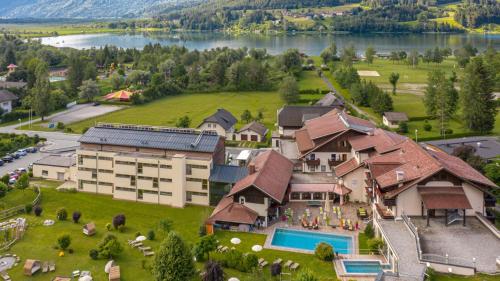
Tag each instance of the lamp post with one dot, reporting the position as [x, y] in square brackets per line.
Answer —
[416, 135]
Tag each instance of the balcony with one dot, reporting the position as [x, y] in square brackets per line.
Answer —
[333, 163]
[313, 162]
[385, 213]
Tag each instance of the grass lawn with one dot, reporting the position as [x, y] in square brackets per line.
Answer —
[407, 74]
[49, 29]
[39, 240]
[323, 270]
[166, 111]
[310, 80]
[16, 198]
[477, 277]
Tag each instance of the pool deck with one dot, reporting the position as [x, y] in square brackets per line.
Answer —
[344, 276]
[269, 231]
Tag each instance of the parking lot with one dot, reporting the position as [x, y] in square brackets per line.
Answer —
[22, 162]
[82, 112]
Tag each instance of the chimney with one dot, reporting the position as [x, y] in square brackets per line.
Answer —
[400, 176]
[251, 168]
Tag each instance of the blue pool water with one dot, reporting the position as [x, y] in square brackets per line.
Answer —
[306, 240]
[362, 267]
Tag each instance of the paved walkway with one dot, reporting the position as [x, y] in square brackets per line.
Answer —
[403, 241]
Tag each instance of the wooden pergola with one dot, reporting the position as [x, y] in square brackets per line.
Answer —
[443, 198]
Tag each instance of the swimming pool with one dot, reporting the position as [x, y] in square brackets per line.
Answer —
[362, 267]
[307, 240]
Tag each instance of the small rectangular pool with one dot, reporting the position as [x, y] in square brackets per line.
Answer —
[362, 267]
[307, 240]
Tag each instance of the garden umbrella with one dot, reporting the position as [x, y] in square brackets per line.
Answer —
[235, 241]
[256, 248]
[140, 238]
[233, 279]
[108, 266]
[121, 95]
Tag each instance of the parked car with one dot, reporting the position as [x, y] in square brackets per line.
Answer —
[21, 170]
[31, 149]
[1, 163]
[22, 152]
[18, 154]
[7, 158]
[15, 155]
[12, 181]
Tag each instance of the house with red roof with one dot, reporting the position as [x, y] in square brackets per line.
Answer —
[257, 196]
[424, 181]
[323, 142]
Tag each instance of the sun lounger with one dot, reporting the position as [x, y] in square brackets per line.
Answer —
[144, 248]
[52, 266]
[45, 267]
[219, 248]
[225, 249]
[75, 273]
[148, 253]
[279, 261]
[288, 263]
[5, 276]
[294, 266]
[263, 264]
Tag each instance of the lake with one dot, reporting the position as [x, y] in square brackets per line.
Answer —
[311, 44]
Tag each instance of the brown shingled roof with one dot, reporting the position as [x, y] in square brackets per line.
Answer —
[256, 127]
[229, 211]
[272, 175]
[346, 167]
[396, 116]
[380, 140]
[444, 197]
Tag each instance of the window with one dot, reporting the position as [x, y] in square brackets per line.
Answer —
[165, 180]
[80, 160]
[323, 168]
[45, 173]
[194, 179]
[242, 200]
[125, 189]
[306, 196]
[166, 166]
[295, 196]
[80, 184]
[189, 195]
[344, 157]
[139, 194]
[105, 183]
[164, 193]
[139, 168]
[94, 174]
[106, 158]
[122, 176]
[209, 125]
[312, 156]
[125, 163]
[144, 178]
[132, 180]
[197, 166]
[204, 184]
[155, 183]
[188, 170]
[312, 168]
[105, 171]
[333, 157]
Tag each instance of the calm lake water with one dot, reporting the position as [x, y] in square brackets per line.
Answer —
[311, 44]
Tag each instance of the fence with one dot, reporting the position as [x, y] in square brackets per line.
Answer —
[435, 258]
[21, 208]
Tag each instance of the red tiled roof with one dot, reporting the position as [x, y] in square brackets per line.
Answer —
[341, 189]
[444, 197]
[346, 167]
[304, 142]
[229, 211]
[379, 140]
[272, 175]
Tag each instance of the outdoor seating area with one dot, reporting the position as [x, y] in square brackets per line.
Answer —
[349, 216]
[137, 243]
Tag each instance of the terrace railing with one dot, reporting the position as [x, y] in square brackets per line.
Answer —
[5, 214]
[435, 258]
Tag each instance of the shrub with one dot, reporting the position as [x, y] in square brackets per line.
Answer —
[28, 207]
[5, 179]
[369, 230]
[403, 127]
[275, 269]
[62, 214]
[324, 252]
[93, 254]
[375, 243]
[71, 251]
[38, 210]
[109, 247]
[233, 259]
[108, 226]
[250, 261]
[60, 125]
[64, 241]
[151, 235]
[427, 126]
[76, 216]
[119, 220]
[3, 189]
[448, 131]
[165, 225]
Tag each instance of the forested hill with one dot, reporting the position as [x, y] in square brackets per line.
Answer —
[84, 8]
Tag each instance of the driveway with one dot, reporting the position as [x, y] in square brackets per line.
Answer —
[81, 112]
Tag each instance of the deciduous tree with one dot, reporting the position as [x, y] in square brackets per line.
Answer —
[289, 90]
